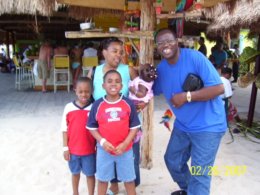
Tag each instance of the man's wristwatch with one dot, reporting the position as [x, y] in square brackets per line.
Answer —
[188, 96]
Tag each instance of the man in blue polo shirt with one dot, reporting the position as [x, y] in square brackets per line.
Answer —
[220, 55]
[200, 115]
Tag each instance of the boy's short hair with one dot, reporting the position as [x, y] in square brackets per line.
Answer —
[226, 70]
[85, 80]
[110, 72]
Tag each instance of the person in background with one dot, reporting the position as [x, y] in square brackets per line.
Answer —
[3, 53]
[76, 66]
[26, 60]
[230, 54]
[230, 108]
[10, 65]
[237, 51]
[220, 55]
[79, 146]
[61, 49]
[44, 63]
[3, 64]
[225, 74]
[101, 59]
[90, 51]
[113, 121]
[203, 48]
[235, 65]
[200, 116]
[212, 60]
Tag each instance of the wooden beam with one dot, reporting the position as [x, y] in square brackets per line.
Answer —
[39, 21]
[115, 4]
[107, 4]
[168, 5]
[52, 26]
[87, 34]
[13, 41]
[192, 14]
[7, 43]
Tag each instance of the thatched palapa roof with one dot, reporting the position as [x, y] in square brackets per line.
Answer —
[82, 13]
[244, 15]
[42, 7]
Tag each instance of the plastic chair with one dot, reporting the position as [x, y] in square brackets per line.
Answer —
[18, 73]
[61, 66]
[28, 74]
[88, 63]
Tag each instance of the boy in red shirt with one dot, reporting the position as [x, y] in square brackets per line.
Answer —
[79, 146]
[113, 121]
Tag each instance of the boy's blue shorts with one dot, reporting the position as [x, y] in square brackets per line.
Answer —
[86, 164]
[106, 166]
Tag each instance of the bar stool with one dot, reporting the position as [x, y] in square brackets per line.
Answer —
[18, 73]
[61, 66]
[88, 63]
[28, 74]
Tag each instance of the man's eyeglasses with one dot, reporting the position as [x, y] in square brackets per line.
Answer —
[162, 43]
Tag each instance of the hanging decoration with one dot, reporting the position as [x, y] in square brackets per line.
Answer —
[198, 5]
[132, 20]
[158, 6]
[181, 6]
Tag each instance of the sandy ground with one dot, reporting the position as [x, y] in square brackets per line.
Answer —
[31, 158]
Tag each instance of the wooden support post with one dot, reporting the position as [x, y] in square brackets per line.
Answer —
[251, 110]
[7, 43]
[13, 41]
[146, 56]
[228, 39]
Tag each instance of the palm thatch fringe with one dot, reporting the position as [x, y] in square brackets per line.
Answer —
[42, 7]
[82, 13]
[231, 5]
[219, 9]
[246, 14]
[220, 33]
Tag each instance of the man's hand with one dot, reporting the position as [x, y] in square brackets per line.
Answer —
[66, 155]
[179, 99]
